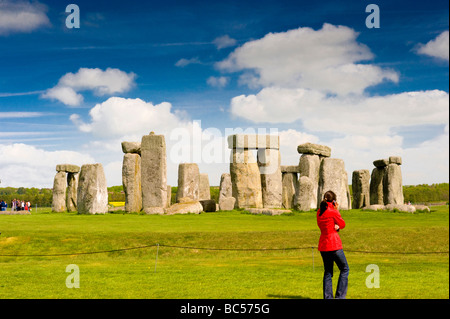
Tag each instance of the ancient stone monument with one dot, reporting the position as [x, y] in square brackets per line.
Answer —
[65, 182]
[256, 183]
[204, 192]
[361, 188]
[289, 185]
[92, 195]
[386, 182]
[153, 174]
[131, 176]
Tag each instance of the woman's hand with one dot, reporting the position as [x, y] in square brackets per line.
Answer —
[336, 227]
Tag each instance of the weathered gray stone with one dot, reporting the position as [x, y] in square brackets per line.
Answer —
[186, 207]
[131, 147]
[401, 208]
[395, 160]
[269, 161]
[381, 163]
[204, 191]
[253, 141]
[225, 186]
[376, 186]
[227, 203]
[92, 196]
[188, 181]
[304, 193]
[309, 166]
[290, 186]
[361, 188]
[169, 196]
[374, 207]
[392, 185]
[72, 188]
[246, 179]
[290, 169]
[209, 205]
[153, 173]
[67, 168]
[131, 181]
[333, 177]
[59, 192]
[315, 149]
[422, 208]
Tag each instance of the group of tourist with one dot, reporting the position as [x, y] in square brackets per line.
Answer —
[16, 205]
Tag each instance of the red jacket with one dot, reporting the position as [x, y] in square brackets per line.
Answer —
[329, 237]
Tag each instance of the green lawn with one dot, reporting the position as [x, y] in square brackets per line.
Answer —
[197, 273]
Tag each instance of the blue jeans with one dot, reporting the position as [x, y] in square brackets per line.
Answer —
[329, 258]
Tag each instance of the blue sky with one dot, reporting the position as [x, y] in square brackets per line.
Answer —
[313, 71]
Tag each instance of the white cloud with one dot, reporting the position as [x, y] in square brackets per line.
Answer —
[22, 16]
[23, 165]
[108, 82]
[323, 60]
[12, 115]
[437, 47]
[219, 82]
[185, 62]
[224, 42]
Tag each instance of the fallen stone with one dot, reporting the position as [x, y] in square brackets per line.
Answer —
[401, 208]
[422, 208]
[374, 207]
[227, 203]
[315, 149]
[188, 207]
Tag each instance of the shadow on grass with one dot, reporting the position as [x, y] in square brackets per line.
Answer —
[287, 296]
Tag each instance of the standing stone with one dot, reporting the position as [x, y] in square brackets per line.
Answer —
[226, 199]
[59, 192]
[204, 189]
[92, 196]
[333, 177]
[153, 173]
[269, 161]
[72, 188]
[188, 181]
[361, 188]
[131, 180]
[169, 196]
[290, 186]
[392, 185]
[376, 185]
[304, 193]
[309, 166]
[246, 179]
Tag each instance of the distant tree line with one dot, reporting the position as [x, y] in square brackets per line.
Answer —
[42, 197]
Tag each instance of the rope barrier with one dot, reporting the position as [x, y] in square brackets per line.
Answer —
[219, 249]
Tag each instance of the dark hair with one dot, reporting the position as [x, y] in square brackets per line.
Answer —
[328, 197]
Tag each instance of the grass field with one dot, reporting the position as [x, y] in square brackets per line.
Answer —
[198, 273]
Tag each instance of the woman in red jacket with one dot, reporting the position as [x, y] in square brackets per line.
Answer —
[330, 222]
